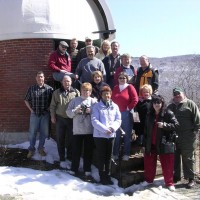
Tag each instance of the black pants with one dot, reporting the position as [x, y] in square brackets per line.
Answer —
[64, 133]
[104, 148]
[85, 142]
[188, 162]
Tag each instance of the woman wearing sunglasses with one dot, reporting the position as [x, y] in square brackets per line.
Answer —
[125, 96]
[158, 140]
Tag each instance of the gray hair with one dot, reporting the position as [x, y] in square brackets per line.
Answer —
[66, 76]
[90, 46]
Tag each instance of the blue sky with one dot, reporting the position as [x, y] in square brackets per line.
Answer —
[157, 28]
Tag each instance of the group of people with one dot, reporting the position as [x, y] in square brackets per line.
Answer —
[92, 115]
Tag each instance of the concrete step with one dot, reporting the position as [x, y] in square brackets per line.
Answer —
[132, 171]
[127, 176]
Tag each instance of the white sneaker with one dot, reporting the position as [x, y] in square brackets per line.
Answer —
[171, 188]
[125, 158]
[144, 184]
[63, 164]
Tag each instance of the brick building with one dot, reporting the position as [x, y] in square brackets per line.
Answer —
[29, 32]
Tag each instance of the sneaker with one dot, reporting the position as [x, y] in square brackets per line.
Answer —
[191, 184]
[145, 184]
[125, 158]
[171, 188]
[63, 164]
[88, 177]
[30, 154]
[42, 152]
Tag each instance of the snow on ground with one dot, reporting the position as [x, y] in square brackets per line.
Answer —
[29, 184]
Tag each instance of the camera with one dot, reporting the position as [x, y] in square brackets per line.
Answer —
[84, 108]
[174, 137]
[112, 73]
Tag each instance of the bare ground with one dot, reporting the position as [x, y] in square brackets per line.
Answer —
[17, 158]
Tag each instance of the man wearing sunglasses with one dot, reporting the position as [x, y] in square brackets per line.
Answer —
[83, 53]
[60, 62]
[188, 115]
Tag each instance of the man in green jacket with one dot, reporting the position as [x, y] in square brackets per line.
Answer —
[188, 115]
[64, 125]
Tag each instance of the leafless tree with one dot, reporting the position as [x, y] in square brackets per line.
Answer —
[182, 74]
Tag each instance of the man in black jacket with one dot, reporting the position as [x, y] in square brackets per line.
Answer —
[111, 63]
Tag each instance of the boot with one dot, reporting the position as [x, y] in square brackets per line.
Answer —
[105, 179]
[108, 180]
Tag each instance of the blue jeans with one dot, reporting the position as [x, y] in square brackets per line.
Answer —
[127, 125]
[41, 124]
[58, 76]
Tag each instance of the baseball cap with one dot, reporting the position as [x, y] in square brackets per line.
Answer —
[88, 38]
[64, 43]
[177, 90]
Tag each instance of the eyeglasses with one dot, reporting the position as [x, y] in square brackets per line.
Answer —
[64, 47]
[157, 102]
[176, 93]
[122, 78]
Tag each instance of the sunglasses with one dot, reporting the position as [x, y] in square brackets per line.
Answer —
[157, 102]
[64, 47]
[88, 40]
[122, 78]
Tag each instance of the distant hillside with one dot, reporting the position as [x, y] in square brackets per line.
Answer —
[182, 71]
[168, 61]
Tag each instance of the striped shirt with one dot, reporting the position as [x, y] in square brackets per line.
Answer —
[39, 98]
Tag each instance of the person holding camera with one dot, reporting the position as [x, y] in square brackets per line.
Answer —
[106, 119]
[79, 109]
[159, 140]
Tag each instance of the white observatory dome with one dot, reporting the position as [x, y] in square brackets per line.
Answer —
[64, 19]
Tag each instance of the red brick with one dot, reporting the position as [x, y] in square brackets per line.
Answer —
[20, 60]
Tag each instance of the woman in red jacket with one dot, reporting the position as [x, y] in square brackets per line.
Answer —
[125, 96]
